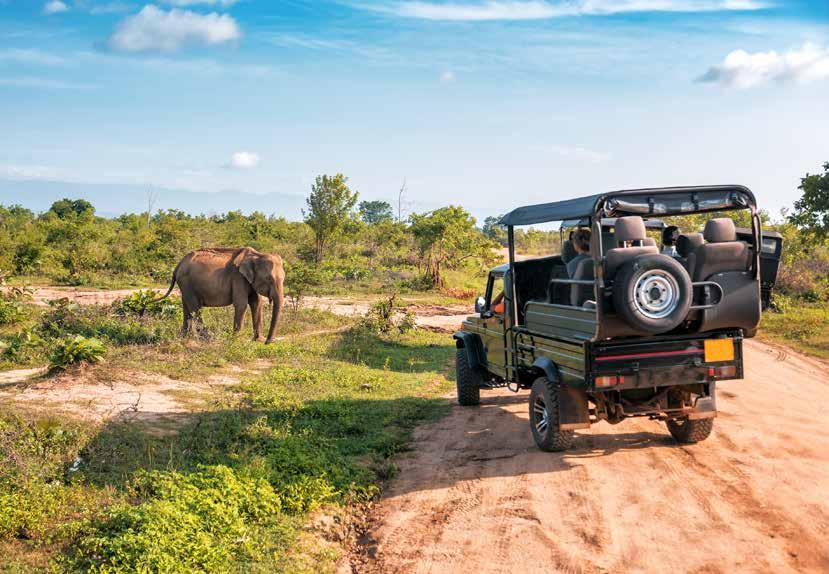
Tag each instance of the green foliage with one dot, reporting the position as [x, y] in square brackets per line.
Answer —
[66, 318]
[12, 304]
[329, 208]
[24, 346]
[207, 521]
[386, 317]
[372, 212]
[66, 208]
[301, 279]
[811, 211]
[447, 237]
[145, 304]
[75, 350]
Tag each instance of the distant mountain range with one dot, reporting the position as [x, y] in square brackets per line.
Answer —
[112, 200]
[116, 199]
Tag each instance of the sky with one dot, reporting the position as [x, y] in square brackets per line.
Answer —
[490, 104]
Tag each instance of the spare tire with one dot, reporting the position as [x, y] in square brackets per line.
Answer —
[652, 293]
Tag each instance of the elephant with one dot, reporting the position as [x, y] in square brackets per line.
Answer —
[218, 277]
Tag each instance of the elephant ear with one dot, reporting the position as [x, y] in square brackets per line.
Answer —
[245, 263]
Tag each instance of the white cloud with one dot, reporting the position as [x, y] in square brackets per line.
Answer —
[42, 83]
[742, 69]
[543, 9]
[447, 76]
[54, 7]
[31, 56]
[186, 3]
[154, 29]
[244, 160]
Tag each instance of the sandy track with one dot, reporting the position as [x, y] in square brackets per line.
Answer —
[477, 496]
[440, 317]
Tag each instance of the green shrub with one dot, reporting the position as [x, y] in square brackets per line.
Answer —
[75, 350]
[145, 303]
[208, 521]
[385, 317]
[12, 304]
[65, 317]
[24, 346]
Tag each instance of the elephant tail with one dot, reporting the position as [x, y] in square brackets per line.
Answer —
[172, 285]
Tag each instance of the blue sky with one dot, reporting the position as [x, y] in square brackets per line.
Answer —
[486, 103]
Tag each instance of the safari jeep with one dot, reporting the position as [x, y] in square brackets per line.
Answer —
[635, 328]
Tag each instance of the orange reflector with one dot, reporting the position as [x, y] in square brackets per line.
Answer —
[717, 350]
[606, 381]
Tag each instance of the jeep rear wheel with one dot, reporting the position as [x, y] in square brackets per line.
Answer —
[544, 417]
[690, 431]
[467, 380]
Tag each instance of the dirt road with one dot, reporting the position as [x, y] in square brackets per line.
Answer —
[477, 496]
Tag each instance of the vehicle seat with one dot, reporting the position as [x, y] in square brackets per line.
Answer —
[686, 244]
[649, 241]
[568, 251]
[627, 229]
[579, 294]
[722, 252]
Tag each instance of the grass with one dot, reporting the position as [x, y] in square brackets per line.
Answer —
[800, 324]
[234, 488]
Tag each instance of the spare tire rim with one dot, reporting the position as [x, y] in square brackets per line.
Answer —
[541, 417]
[656, 294]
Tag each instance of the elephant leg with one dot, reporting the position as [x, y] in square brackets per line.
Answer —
[191, 309]
[255, 303]
[238, 316]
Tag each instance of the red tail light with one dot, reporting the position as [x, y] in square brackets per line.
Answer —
[608, 381]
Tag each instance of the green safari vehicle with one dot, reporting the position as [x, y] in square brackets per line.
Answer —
[636, 326]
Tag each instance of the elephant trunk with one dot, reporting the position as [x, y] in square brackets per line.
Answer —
[277, 301]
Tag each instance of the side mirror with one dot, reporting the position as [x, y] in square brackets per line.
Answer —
[480, 305]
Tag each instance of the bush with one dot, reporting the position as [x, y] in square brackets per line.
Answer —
[12, 304]
[384, 317]
[145, 303]
[24, 346]
[75, 350]
[203, 522]
[68, 318]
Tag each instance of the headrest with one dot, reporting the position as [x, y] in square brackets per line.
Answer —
[568, 252]
[688, 243]
[649, 241]
[720, 230]
[630, 228]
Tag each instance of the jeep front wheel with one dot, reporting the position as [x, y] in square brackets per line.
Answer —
[690, 431]
[468, 381]
[544, 417]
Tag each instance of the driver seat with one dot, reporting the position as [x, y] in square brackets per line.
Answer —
[627, 229]
[723, 252]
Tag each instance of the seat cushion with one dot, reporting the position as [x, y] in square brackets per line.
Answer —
[617, 257]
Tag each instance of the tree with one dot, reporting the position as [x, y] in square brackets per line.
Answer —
[372, 212]
[447, 237]
[64, 208]
[329, 207]
[811, 211]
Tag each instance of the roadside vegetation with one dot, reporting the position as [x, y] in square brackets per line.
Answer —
[305, 433]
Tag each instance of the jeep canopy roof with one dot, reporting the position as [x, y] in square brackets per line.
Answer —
[656, 201]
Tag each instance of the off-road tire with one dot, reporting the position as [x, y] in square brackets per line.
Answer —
[690, 431]
[549, 437]
[467, 380]
[666, 269]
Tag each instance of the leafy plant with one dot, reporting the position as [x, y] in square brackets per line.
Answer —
[75, 350]
[385, 317]
[12, 304]
[145, 303]
[24, 346]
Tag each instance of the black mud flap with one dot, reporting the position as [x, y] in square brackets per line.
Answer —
[573, 411]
